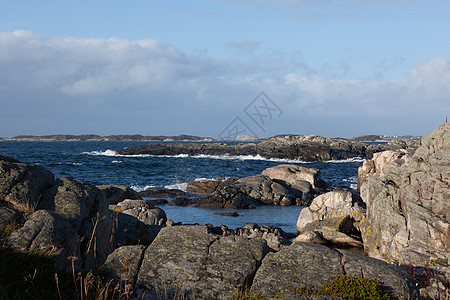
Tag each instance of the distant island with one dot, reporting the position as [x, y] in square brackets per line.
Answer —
[109, 138]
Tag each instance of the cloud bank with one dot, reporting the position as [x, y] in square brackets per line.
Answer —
[105, 86]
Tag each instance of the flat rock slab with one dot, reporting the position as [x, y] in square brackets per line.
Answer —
[190, 260]
[310, 265]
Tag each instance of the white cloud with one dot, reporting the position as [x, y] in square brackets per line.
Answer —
[152, 78]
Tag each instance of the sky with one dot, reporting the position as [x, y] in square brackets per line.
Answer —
[336, 68]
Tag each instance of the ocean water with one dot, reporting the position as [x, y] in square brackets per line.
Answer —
[97, 163]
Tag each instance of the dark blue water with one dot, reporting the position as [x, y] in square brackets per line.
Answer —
[96, 163]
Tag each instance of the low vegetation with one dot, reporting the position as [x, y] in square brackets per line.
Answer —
[347, 287]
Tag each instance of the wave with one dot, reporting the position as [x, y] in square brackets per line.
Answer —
[225, 157]
[140, 188]
[178, 186]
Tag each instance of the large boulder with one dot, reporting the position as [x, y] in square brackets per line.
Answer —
[192, 261]
[49, 233]
[251, 191]
[122, 265]
[335, 204]
[408, 220]
[295, 175]
[72, 220]
[208, 186]
[136, 221]
[381, 162]
[22, 185]
[309, 265]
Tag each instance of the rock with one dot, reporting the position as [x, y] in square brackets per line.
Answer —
[137, 222]
[85, 207]
[310, 265]
[22, 185]
[208, 186]
[156, 192]
[8, 217]
[190, 260]
[335, 204]
[48, 232]
[408, 220]
[122, 265]
[203, 186]
[338, 231]
[229, 214]
[296, 175]
[117, 193]
[302, 148]
[183, 201]
[382, 162]
[252, 191]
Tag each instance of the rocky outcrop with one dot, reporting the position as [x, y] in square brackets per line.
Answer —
[309, 265]
[122, 265]
[136, 222]
[72, 220]
[296, 176]
[208, 186]
[21, 185]
[332, 218]
[66, 217]
[408, 220]
[117, 193]
[296, 147]
[158, 192]
[249, 192]
[195, 262]
[382, 162]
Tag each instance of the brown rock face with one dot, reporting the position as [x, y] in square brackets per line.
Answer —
[292, 174]
[408, 216]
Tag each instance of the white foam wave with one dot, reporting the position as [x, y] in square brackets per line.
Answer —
[180, 186]
[140, 188]
[116, 161]
[104, 153]
[226, 157]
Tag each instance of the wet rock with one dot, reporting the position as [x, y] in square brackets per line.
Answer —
[161, 193]
[208, 186]
[407, 219]
[22, 185]
[229, 214]
[183, 201]
[117, 193]
[251, 191]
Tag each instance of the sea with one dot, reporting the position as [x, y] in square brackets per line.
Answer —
[97, 163]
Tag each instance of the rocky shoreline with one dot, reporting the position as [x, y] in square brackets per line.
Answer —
[292, 147]
[400, 220]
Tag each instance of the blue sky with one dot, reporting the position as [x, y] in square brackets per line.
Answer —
[333, 68]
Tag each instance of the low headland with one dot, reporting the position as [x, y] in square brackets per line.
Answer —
[66, 239]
